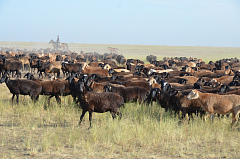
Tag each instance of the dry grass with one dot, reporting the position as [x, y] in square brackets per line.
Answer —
[143, 132]
[30, 131]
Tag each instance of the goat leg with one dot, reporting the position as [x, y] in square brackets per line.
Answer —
[234, 116]
[13, 98]
[205, 118]
[50, 98]
[212, 117]
[58, 99]
[90, 118]
[34, 98]
[17, 98]
[83, 113]
[113, 115]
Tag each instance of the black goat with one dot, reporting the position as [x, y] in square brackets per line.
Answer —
[224, 88]
[153, 96]
[23, 87]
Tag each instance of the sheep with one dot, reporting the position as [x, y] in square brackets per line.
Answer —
[162, 98]
[223, 79]
[175, 101]
[190, 80]
[131, 67]
[72, 86]
[206, 89]
[49, 67]
[67, 90]
[96, 78]
[71, 67]
[95, 86]
[121, 70]
[23, 87]
[159, 71]
[12, 66]
[202, 73]
[185, 74]
[151, 58]
[98, 102]
[121, 60]
[142, 84]
[25, 62]
[123, 78]
[52, 88]
[91, 70]
[113, 72]
[129, 94]
[214, 103]
[165, 86]
[33, 64]
[187, 106]
[155, 85]
[95, 64]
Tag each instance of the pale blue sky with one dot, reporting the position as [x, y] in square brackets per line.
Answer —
[142, 22]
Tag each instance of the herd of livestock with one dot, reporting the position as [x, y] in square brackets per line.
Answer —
[104, 82]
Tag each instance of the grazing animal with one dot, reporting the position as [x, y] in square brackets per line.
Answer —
[214, 103]
[23, 87]
[91, 70]
[52, 88]
[139, 83]
[134, 93]
[71, 67]
[12, 66]
[98, 102]
[154, 95]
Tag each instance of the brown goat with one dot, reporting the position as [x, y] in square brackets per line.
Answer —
[95, 86]
[214, 103]
[52, 88]
[142, 84]
[134, 93]
[223, 79]
[91, 70]
[188, 106]
[98, 102]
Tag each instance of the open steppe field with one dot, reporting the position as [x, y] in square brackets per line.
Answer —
[140, 51]
[30, 131]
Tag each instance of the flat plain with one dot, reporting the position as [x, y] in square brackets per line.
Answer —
[30, 131]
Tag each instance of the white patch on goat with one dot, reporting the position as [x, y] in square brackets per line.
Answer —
[213, 80]
[151, 71]
[165, 83]
[193, 95]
